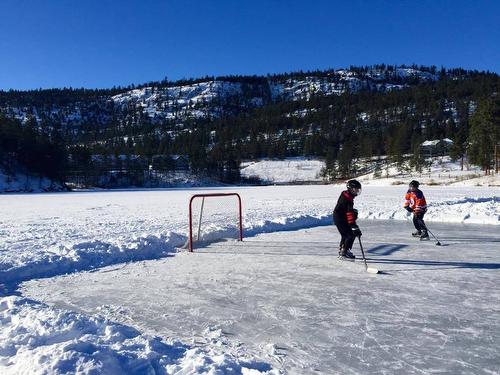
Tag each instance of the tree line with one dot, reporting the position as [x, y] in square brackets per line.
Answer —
[27, 148]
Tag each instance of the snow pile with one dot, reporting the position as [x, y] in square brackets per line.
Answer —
[36, 339]
[463, 209]
[63, 258]
[290, 170]
[467, 209]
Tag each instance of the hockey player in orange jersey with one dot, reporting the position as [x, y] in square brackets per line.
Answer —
[416, 204]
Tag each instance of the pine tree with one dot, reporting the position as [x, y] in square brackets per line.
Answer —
[459, 147]
[484, 132]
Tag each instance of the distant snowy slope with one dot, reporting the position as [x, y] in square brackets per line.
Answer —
[208, 98]
[213, 97]
[289, 170]
[440, 171]
[196, 100]
[342, 80]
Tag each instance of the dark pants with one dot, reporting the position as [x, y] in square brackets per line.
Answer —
[418, 221]
[347, 238]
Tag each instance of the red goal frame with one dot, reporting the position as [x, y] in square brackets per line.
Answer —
[240, 216]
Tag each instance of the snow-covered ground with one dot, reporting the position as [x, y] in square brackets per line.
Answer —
[440, 171]
[290, 170]
[47, 235]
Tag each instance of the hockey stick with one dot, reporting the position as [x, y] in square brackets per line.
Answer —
[427, 229]
[368, 269]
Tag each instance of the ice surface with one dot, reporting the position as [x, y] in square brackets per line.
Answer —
[285, 299]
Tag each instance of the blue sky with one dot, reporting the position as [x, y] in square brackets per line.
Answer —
[105, 43]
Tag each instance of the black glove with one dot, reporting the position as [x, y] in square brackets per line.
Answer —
[355, 213]
[409, 209]
[356, 231]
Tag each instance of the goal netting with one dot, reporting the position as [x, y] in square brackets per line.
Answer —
[214, 217]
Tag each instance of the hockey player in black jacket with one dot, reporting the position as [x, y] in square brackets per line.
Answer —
[344, 217]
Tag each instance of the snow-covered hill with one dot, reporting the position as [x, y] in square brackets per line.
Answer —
[211, 98]
[204, 99]
[208, 98]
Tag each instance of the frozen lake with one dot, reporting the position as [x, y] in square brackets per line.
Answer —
[284, 298]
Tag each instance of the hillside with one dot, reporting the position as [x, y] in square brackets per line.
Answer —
[211, 97]
[213, 123]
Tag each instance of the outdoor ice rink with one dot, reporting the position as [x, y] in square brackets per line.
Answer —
[285, 298]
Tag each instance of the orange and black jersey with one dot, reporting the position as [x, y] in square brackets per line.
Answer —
[416, 200]
[344, 212]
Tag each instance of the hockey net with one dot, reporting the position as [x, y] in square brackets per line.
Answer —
[214, 217]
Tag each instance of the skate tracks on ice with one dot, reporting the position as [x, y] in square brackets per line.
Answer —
[285, 298]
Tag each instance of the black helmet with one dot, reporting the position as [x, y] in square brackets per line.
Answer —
[415, 184]
[354, 187]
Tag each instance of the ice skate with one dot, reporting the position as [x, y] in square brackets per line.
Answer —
[346, 255]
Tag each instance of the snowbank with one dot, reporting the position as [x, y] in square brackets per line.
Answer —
[36, 339]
